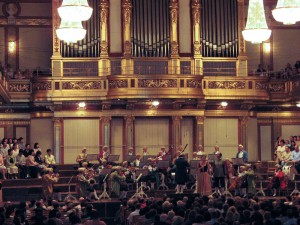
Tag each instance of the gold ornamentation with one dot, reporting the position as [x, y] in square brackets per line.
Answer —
[104, 48]
[194, 83]
[174, 10]
[57, 121]
[104, 11]
[261, 85]
[81, 85]
[199, 119]
[197, 48]
[176, 119]
[196, 12]
[129, 119]
[241, 26]
[56, 107]
[55, 26]
[226, 84]
[105, 119]
[157, 83]
[276, 87]
[46, 85]
[114, 84]
[174, 48]
[19, 88]
[127, 48]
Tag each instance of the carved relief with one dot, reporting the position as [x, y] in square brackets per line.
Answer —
[277, 87]
[196, 12]
[19, 88]
[42, 86]
[226, 84]
[197, 48]
[104, 11]
[176, 119]
[174, 48]
[261, 86]
[129, 119]
[105, 119]
[199, 119]
[194, 83]
[241, 25]
[157, 83]
[81, 85]
[113, 84]
[55, 26]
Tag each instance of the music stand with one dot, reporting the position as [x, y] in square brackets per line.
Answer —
[140, 190]
[163, 164]
[194, 163]
[212, 157]
[142, 164]
[237, 161]
[195, 172]
[104, 194]
[92, 158]
[69, 196]
[130, 158]
[113, 158]
[146, 157]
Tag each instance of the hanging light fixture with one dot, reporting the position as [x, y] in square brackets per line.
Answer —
[256, 29]
[75, 10]
[287, 11]
[70, 31]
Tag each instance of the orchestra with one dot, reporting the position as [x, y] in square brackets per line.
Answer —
[211, 170]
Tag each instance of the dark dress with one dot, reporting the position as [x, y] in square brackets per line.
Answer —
[181, 173]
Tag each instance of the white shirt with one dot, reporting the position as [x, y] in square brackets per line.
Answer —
[200, 153]
[280, 148]
[241, 154]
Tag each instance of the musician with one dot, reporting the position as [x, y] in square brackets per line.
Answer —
[130, 151]
[154, 175]
[136, 162]
[116, 178]
[145, 151]
[242, 153]
[217, 150]
[200, 150]
[82, 182]
[103, 154]
[296, 158]
[195, 156]
[48, 179]
[204, 184]
[181, 173]
[12, 169]
[279, 150]
[219, 173]
[229, 170]
[286, 155]
[278, 181]
[240, 182]
[82, 157]
[50, 160]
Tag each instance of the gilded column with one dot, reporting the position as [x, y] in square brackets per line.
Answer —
[196, 15]
[199, 131]
[174, 63]
[242, 58]
[128, 138]
[105, 131]
[104, 62]
[176, 131]
[58, 140]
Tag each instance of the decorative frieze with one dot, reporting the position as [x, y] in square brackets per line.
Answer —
[226, 84]
[42, 86]
[276, 87]
[194, 83]
[15, 87]
[81, 85]
[157, 83]
[261, 85]
[113, 84]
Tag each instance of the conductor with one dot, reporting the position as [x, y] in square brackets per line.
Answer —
[181, 173]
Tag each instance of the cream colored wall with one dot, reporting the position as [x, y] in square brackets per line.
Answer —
[35, 9]
[252, 139]
[116, 137]
[265, 142]
[2, 48]
[152, 133]
[115, 26]
[2, 134]
[187, 133]
[286, 47]
[35, 48]
[222, 132]
[41, 131]
[253, 54]
[290, 130]
[21, 132]
[79, 133]
[184, 27]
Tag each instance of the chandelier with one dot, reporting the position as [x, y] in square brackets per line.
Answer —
[287, 11]
[256, 29]
[70, 31]
[75, 10]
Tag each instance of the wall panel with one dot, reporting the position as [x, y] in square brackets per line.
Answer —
[290, 130]
[151, 132]
[79, 133]
[2, 133]
[253, 53]
[21, 132]
[115, 26]
[222, 132]
[116, 136]
[2, 48]
[265, 142]
[252, 140]
[184, 27]
[187, 133]
[41, 131]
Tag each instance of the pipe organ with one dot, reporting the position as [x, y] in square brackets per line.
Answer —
[219, 28]
[90, 45]
[150, 28]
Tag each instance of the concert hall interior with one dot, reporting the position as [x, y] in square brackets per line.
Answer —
[155, 76]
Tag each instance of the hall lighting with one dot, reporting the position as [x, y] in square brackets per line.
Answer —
[287, 11]
[70, 31]
[155, 103]
[224, 104]
[11, 46]
[298, 104]
[75, 10]
[81, 105]
[256, 29]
